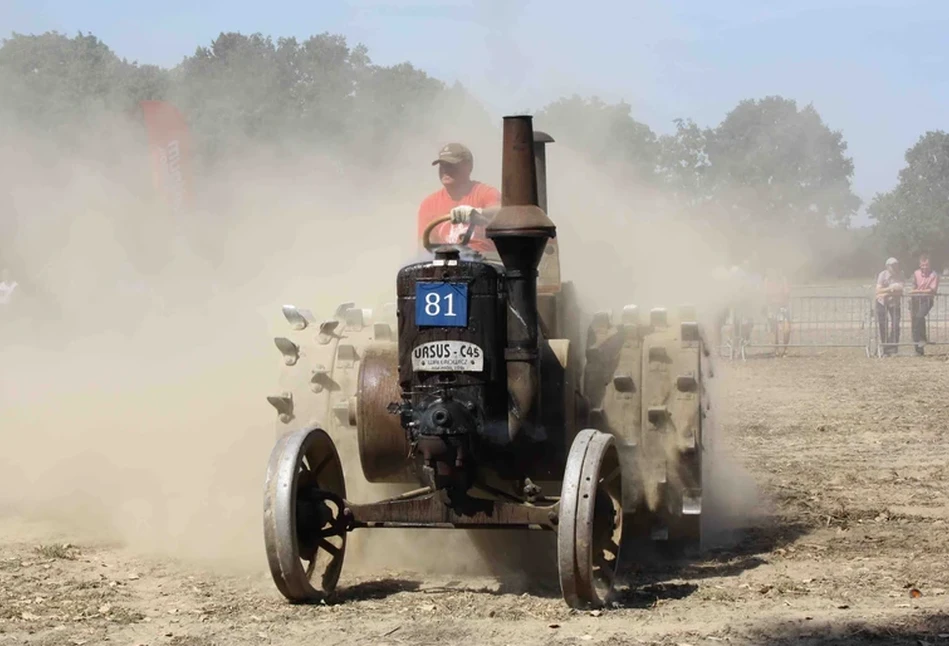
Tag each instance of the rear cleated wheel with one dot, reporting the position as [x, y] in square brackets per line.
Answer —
[304, 522]
[645, 381]
[590, 526]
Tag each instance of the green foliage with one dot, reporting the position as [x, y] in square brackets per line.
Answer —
[239, 91]
[914, 216]
[769, 176]
[55, 82]
[684, 165]
[768, 168]
[607, 134]
[782, 166]
[770, 171]
[319, 92]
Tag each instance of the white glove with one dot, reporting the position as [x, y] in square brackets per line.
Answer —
[462, 214]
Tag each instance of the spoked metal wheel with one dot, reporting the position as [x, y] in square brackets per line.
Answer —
[304, 524]
[591, 520]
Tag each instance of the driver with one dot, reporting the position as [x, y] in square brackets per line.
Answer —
[460, 196]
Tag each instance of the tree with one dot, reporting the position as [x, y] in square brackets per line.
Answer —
[391, 102]
[57, 83]
[236, 89]
[914, 216]
[240, 90]
[779, 169]
[608, 134]
[769, 171]
[684, 163]
[319, 94]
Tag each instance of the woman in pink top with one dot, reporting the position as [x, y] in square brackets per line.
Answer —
[925, 286]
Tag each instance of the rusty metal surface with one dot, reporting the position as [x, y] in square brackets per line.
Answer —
[520, 256]
[541, 139]
[549, 270]
[586, 528]
[599, 521]
[567, 527]
[305, 566]
[518, 173]
[522, 220]
[671, 450]
[383, 445]
[428, 510]
[520, 232]
[644, 380]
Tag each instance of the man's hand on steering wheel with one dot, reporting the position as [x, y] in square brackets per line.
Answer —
[464, 214]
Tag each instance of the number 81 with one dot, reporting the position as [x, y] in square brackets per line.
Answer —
[433, 304]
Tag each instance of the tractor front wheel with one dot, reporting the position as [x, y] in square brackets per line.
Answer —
[590, 528]
[304, 525]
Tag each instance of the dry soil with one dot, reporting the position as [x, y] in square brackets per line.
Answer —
[848, 544]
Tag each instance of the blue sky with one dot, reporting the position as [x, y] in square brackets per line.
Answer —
[875, 69]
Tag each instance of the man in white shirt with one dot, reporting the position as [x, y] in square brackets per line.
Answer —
[889, 294]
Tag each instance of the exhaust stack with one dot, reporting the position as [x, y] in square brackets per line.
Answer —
[541, 139]
[520, 232]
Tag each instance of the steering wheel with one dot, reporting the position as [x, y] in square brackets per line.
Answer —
[427, 234]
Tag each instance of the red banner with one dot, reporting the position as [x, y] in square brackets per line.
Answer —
[170, 146]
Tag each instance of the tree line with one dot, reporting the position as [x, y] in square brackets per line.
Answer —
[771, 171]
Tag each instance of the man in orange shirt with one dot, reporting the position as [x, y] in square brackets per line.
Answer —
[458, 197]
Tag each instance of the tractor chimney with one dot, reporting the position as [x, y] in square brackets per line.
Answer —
[541, 139]
[520, 232]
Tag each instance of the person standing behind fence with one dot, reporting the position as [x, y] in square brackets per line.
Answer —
[888, 294]
[778, 308]
[730, 289]
[923, 295]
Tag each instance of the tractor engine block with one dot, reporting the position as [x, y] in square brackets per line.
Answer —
[451, 327]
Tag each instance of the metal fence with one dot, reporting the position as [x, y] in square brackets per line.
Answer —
[835, 321]
[933, 327]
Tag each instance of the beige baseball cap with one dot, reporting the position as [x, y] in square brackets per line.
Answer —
[453, 153]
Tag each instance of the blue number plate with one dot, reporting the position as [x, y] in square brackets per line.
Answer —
[441, 304]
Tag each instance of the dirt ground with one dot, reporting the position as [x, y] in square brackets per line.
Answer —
[849, 546]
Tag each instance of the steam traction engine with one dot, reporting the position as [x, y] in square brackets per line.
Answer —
[483, 401]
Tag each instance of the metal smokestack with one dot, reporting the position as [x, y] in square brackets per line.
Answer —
[520, 232]
[541, 139]
[518, 173]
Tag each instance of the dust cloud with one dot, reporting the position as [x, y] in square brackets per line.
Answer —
[135, 361]
[137, 356]
[631, 245]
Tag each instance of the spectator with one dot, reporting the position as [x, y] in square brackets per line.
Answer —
[723, 291]
[922, 296]
[778, 308]
[889, 292]
[736, 286]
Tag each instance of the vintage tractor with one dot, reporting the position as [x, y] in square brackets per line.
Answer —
[478, 390]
